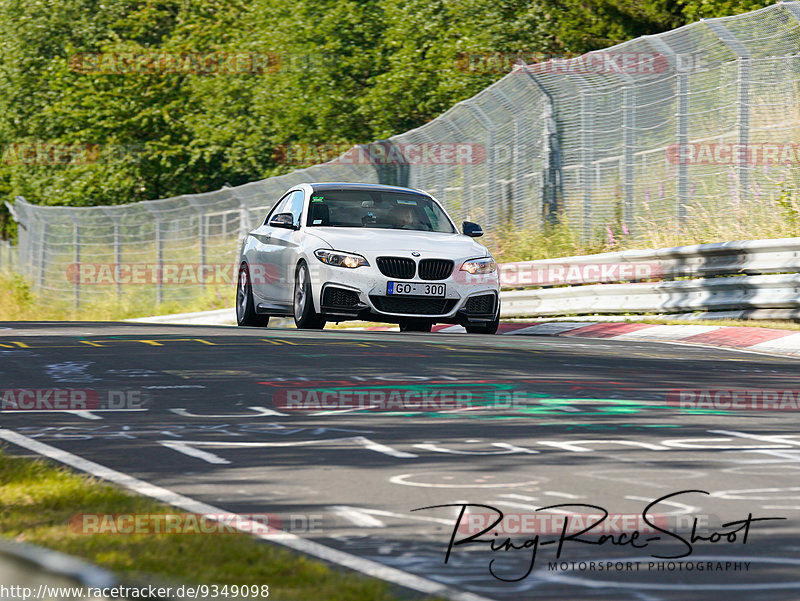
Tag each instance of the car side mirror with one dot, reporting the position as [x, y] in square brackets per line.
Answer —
[472, 230]
[285, 220]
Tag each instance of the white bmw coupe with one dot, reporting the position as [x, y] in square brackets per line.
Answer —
[338, 251]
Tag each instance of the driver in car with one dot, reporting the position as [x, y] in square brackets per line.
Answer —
[402, 217]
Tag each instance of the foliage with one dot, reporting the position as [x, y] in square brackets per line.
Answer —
[343, 71]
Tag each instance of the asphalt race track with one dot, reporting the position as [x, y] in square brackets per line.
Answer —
[590, 423]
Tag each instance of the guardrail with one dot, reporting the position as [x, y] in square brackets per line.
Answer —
[744, 275]
[30, 566]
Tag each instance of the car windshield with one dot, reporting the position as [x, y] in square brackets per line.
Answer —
[374, 209]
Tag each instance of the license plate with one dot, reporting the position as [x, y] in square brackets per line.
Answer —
[404, 288]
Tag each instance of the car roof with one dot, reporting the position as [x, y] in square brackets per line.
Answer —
[323, 186]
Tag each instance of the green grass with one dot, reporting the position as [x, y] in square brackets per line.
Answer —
[19, 301]
[774, 214]
[38, 500]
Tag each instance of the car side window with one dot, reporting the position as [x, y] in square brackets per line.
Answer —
[295, 206]
[280, 207]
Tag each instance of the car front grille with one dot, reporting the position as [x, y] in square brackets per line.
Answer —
[480, 304]
[397, 267]
[435, 269]
[339, 297]
[413, 305]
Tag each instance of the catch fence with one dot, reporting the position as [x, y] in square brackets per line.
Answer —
[699, 123]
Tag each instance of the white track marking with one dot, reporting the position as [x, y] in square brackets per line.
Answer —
[785, 344]
[519, 497]
[381, 448]
[359, 564]
[259, 412]
[666, 332]
[413, 516]
[783, 456]
[189, 447]
[337, 411]
[773, 439]
[356, 516]
[403, 479]
[85, 414]
[514, 504]
[566, 495]
[579, 446]
[363, 511]
[763, 494]
[552, 328]
[508, 449]
[70, 371]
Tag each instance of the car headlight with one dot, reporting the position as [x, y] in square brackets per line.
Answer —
[340, 259]
[475, 266]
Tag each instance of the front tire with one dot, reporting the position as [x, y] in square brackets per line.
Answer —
[305, 317]
[245, 307]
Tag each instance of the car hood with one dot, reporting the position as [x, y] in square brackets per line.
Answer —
[369, 240]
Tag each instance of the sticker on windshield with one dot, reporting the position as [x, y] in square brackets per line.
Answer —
[413, 203]
[317, 199]
[316, 222]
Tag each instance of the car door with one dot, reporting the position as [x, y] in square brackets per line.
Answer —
[286, 243]
[266, 277]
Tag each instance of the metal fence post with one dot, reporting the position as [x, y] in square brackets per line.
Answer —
[628, 149]
[42, 252]
[117, 249]
[12, 210]
[552, 185]
[742, 99]
[683, 144]
[201, 227]
[491, 178]
[244, 219]
[159, 263]
[466, 185]
[515, 194]
[586, 162]
[117, 258]
[159, 256]
[682, 114]
[577, 82]
[76, 237]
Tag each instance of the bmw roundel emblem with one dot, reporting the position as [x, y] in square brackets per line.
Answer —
[415, 254]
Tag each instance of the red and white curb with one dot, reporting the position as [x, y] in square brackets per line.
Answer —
[764, 340]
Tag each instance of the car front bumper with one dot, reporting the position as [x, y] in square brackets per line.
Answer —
[361, 293]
